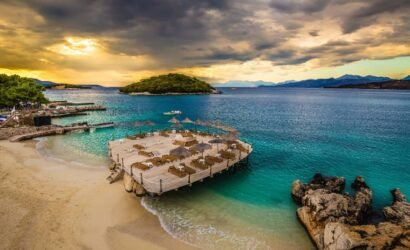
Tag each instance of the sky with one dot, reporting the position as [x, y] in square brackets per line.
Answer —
[116, 42]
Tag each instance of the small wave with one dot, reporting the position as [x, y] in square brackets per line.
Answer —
[44, 150]
[199, 235]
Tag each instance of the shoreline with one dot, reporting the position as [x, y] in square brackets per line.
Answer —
[49, 202]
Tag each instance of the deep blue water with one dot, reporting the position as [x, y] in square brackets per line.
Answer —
[294, 132]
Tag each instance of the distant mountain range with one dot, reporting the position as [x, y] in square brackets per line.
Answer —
[50, 84]
[311, 83]
[391, 84]
[234, 83]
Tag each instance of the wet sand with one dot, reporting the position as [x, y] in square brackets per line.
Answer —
[50, 204]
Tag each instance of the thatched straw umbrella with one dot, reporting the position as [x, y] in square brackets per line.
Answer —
[138, 124]
[149, 123]
[174, 120]
[187, 120]
[217, 141]
[202, 147]
[141, 124]
[177, 125]
[180, 152]
[231, 136]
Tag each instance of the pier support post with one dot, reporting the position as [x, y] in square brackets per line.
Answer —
[189, 179]
[142, 181]
[118, 158]
[240, 154]
[160, 185]
[122, 163]
[131, 170]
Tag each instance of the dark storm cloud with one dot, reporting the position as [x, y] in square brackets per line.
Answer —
[288, 57]
[367, 14]
[187, 33]
[222, 54]
[306, 6]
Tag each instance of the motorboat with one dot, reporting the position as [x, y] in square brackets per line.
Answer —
[173, 112]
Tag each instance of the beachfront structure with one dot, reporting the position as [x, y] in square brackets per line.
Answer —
[164, 161]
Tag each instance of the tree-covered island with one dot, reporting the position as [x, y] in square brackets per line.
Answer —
[169, 84]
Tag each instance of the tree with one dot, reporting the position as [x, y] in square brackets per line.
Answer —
[16, 90]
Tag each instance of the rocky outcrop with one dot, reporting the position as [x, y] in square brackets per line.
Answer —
[399, 211]
[332, 184]
[334, 219]
[131, 185]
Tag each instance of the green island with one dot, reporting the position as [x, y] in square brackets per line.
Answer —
[62, 86]
[170, 84]
[15, 90]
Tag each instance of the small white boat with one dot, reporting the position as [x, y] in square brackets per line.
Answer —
[173, 112]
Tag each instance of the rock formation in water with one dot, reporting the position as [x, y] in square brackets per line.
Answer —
[335, 220]
[131, 185]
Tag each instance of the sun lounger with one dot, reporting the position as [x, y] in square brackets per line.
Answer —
[179, 143]
[138, 146]
[210, 158]
[169, 158]
[188, 170]
[186, 134]
[198, 163]
[191, 143]
[227, 155]
[173, 170]
[145, 153]
[164, 134]
[157, 161]
[140, 165]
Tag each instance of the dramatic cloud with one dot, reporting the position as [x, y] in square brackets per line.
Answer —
[121, 41]
[307, 6]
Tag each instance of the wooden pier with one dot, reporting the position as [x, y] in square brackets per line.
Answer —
[148, 162]
[48, 132]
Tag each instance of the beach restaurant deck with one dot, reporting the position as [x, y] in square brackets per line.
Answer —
[167, 160]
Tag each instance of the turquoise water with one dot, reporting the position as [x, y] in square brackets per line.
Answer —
[294, 132]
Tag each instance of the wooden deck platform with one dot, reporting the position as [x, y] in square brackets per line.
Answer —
[145, 159]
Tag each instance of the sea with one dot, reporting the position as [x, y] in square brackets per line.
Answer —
[295, 133]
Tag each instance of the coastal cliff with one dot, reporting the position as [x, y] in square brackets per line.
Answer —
[336, 220]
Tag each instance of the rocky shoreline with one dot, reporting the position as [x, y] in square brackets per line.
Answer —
[336, 220]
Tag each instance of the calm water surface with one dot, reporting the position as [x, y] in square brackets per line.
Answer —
[294, 132]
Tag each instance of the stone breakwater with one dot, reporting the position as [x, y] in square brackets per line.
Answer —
[336, 220]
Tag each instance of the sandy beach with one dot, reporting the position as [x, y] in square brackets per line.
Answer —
[50, 204]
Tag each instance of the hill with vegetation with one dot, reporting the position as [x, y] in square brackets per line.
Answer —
[392, 84]
[53, 85]
[16, 90]
[169, 84]
[331, 82]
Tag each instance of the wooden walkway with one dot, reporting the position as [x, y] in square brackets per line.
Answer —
[51, 131]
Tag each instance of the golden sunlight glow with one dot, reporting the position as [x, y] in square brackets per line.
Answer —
[75, 46]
